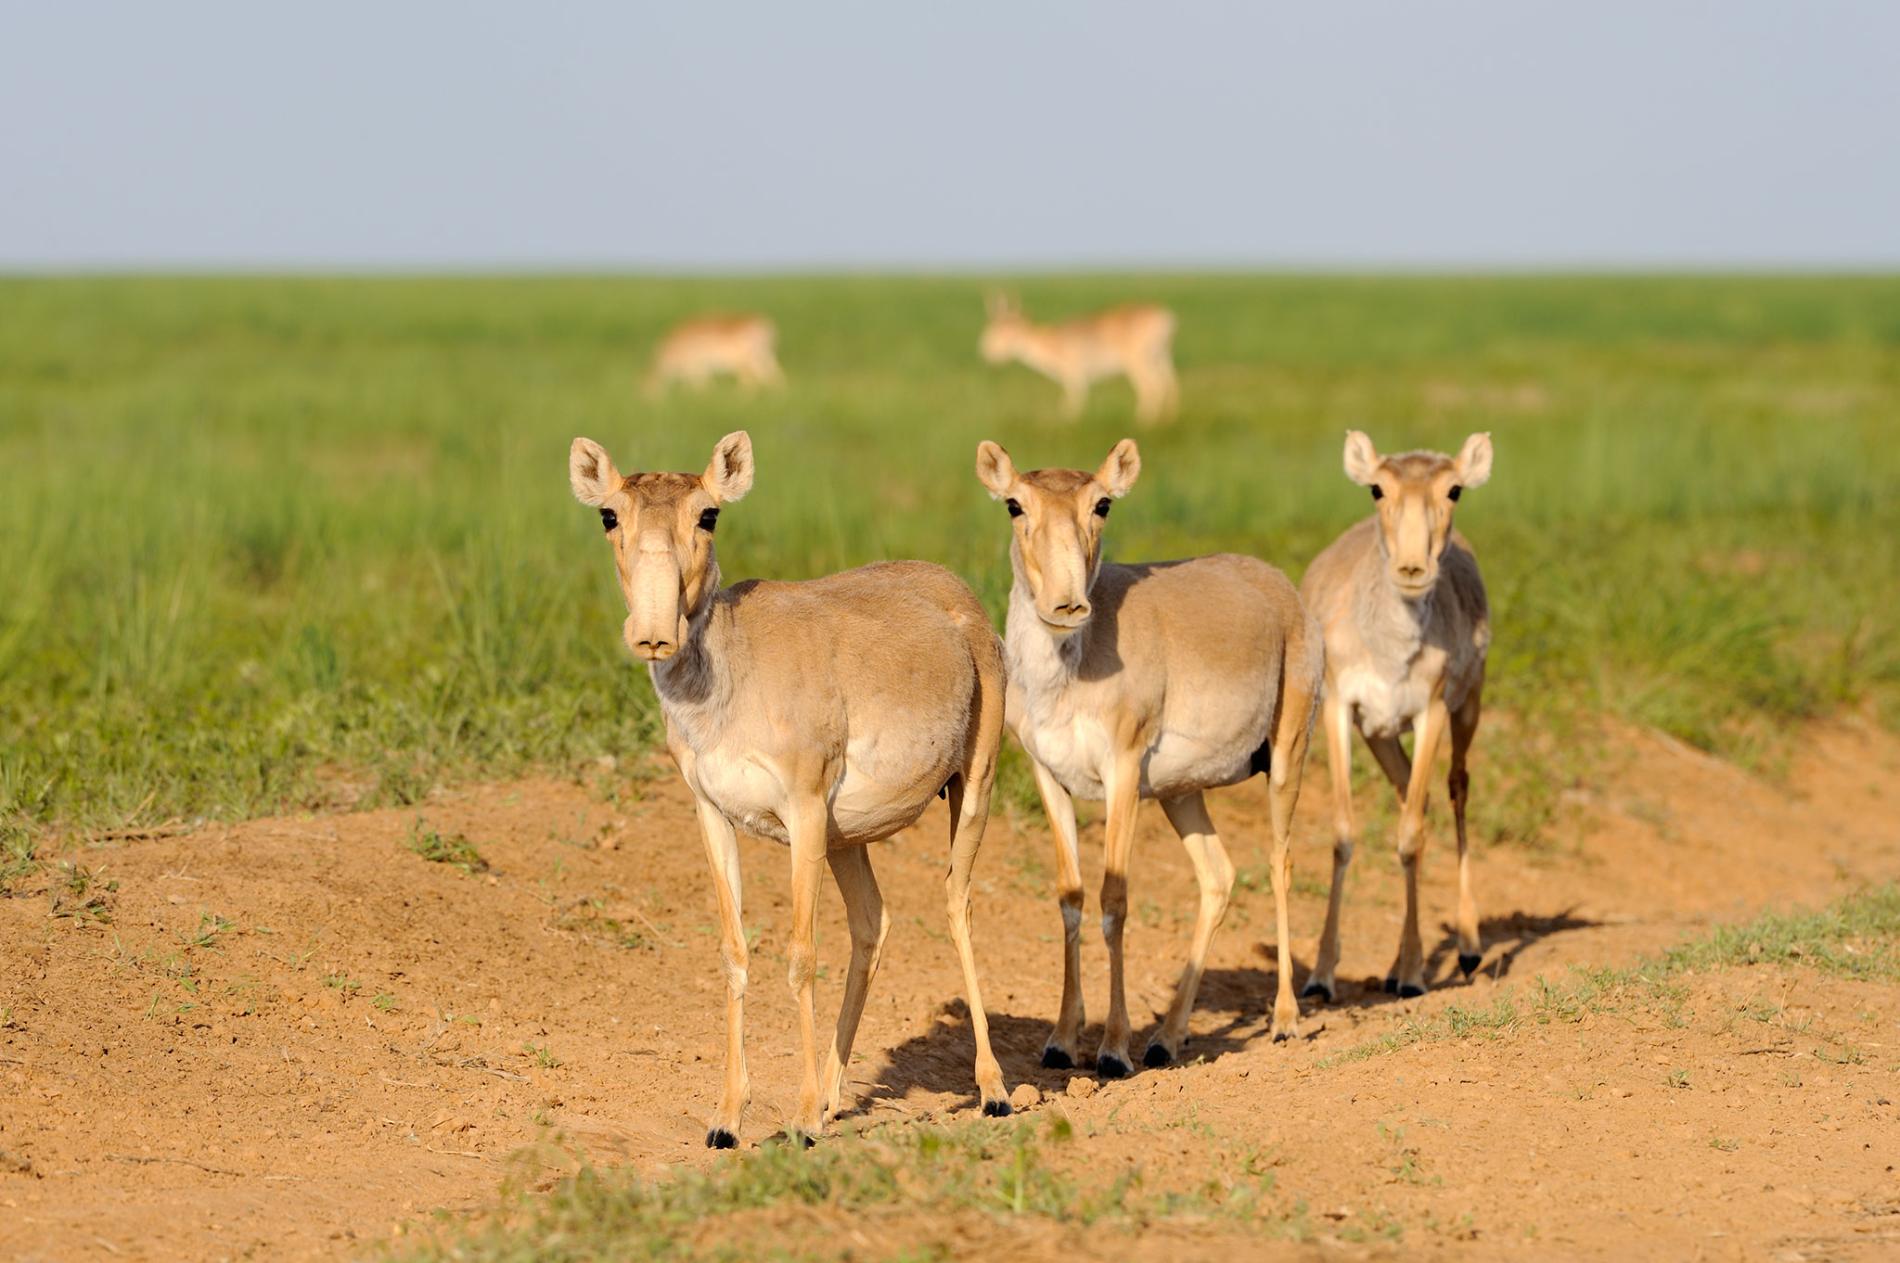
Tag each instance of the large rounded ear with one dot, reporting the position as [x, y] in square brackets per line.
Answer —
[1119, 471]
[994, 469]
[1474, 461]
[591, 472]
[729, 474]
[1362, 458]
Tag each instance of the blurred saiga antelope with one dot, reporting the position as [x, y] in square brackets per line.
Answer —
[824, 715]
[695, 351]
[1407, 629]
[1160, 680]
[1136, 340]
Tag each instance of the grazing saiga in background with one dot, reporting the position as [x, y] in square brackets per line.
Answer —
[1407, 628]
[1160, 681]
[1136, 340]
[695, 351]
[825, 715]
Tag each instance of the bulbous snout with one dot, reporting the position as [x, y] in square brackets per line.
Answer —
[1066, 614]
[1414, 576]
[649, 645]
[655, 627]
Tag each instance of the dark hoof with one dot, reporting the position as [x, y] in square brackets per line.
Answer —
[1156, 1056]
[1280, 1037]
[1470, 963]
[1410, 992]
[1109, 1067]
[996, 1109]
[1317, 991]
[1054, 1058]
[720, 1138]
[1391, 986]
[804, 1140]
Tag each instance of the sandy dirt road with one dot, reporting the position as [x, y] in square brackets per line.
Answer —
[296, 1038]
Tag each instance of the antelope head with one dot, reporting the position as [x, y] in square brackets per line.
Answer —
[661, 530]
[1414, 494]
[1056, 520]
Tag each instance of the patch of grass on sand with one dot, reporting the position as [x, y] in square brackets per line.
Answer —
[784, 1201]
[452, 849]
[1856, 937]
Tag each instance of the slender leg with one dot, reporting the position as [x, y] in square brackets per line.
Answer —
[1214, 873]
[1170, 388]
[864, 911]
[1124, 796]
[1147, 395]
[1464, 726]
[770, 374]
[1157, 394]
[722, 856]
[1408, 970]
[807, 827]
[1075, 397]
[1338, 720]
[1291, 733]
[1059, 1052]
[969, 814]
[1393, 761]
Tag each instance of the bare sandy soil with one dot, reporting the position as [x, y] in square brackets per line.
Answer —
[296, 1038]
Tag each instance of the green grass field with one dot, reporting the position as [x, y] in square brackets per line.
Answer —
[266, 537]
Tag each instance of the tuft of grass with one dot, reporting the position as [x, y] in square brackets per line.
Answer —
[590, 919]
[210, 926]
[79, 895]
[454, 850]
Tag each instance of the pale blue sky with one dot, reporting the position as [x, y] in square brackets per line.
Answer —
[691, 135]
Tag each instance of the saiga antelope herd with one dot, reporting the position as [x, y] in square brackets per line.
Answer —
[826, 714]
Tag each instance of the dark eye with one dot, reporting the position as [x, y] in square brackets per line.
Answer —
[1101, 507]
[708, 520]
[1378, 493]
[1453, 493]
[1015, 510]
[608, 520]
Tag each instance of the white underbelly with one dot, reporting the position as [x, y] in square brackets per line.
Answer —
[869, 802]
[1179, 763]
[1383, 706]
[1077, 755]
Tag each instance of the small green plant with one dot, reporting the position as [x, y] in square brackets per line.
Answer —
[210, 926]
[342, 982]
[1679, 1078]
[78, 894]
[454, 850]
[385, 1001]
[542, 1057]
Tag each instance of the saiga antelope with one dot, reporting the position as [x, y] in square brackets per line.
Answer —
[695, 351]
[1136, 340]
[1407, 628]
[1160, 680]
[825, 715]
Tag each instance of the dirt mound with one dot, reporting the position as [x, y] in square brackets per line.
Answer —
[290, 1037]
